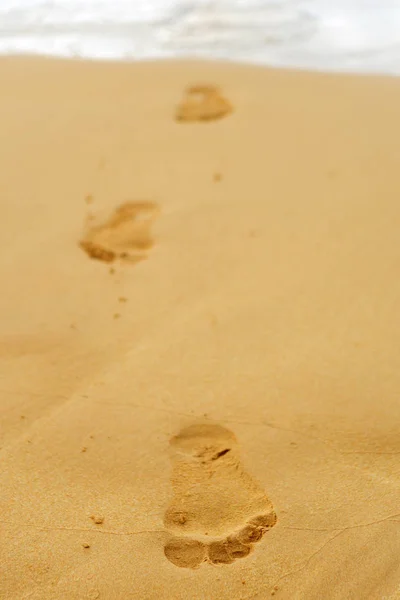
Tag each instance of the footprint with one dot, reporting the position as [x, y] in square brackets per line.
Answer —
[203, 103]
[126, 234]
[218, 511]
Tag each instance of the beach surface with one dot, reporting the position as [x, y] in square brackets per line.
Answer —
[199, 333]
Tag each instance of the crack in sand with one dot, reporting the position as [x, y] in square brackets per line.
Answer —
[338, 533]
[173, 412]
[267, 424]
[391, 518]
[301, 566]
[86, 529]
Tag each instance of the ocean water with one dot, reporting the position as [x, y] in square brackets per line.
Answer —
[344, 35]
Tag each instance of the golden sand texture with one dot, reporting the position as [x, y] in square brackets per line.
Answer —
[199, 333]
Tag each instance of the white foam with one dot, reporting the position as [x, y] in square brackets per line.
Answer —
[347, 35]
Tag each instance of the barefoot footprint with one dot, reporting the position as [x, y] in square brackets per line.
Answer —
[203, 103]
[218, 511]
[126, 234]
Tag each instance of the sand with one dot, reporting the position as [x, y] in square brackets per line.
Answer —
[199, 336]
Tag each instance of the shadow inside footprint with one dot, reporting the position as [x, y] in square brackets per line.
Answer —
[185, 552]
[217, 508]
[126, 234]
[227, 551]
[203, 103]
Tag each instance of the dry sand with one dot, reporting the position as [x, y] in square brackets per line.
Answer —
[200, 337]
